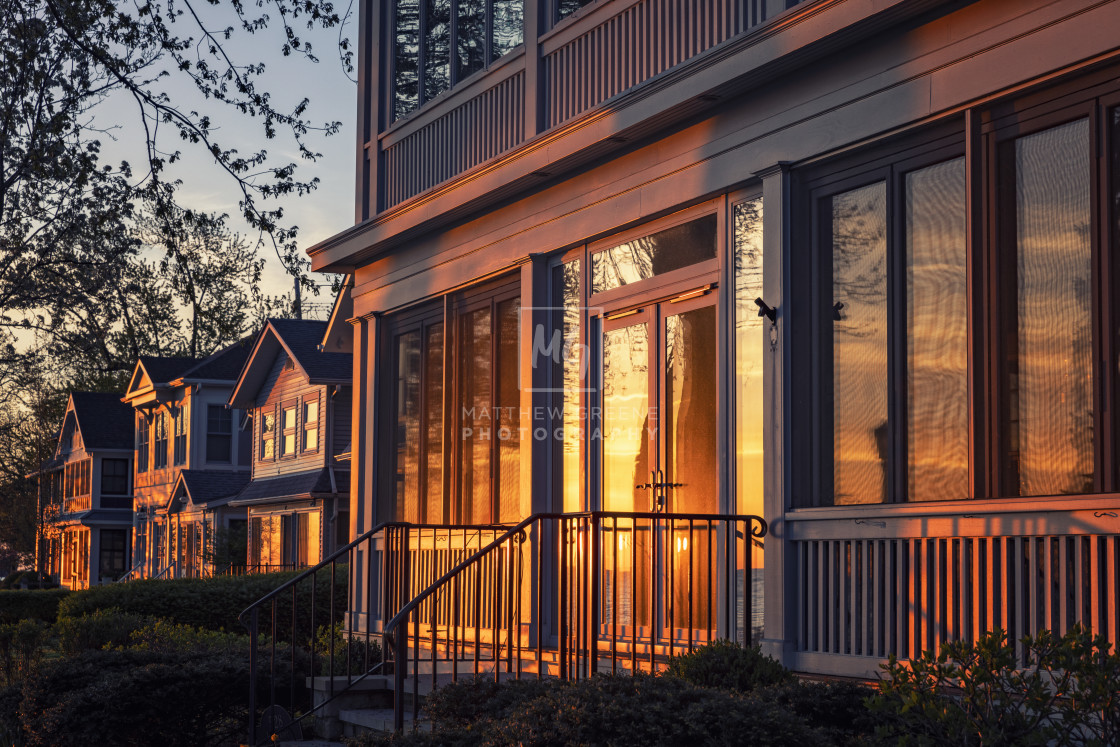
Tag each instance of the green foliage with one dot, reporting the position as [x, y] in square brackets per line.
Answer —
[135, 697]
[615, 710]
[728, 665]
[11, 733]
[28, 604]
[1064, 691]
[21, 649]
[167, 637]
[837, 709]
[350, 655]
[17, 579]
[100, 629]
[209, 603]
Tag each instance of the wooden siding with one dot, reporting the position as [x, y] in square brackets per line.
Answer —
[485, 126]
[340, 430]
[283, 386]
[631, 47]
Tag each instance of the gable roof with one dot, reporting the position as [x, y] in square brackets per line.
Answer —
[223, 365]
[301, 485]
[338, 337]
[299, 339]
[104, 421]
[206, 487]
[163, 371]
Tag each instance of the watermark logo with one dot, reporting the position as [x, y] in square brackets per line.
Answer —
[560, 362]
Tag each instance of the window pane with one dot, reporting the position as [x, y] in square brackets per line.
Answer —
[508, 26]
[474, 396]
[217, 448]
[648, 256]
[859, 367]
[433, 424]
[1050, 375]
[407, 57]
[408, 428]
[567, 383]
[437, 48]
[471, 41]
[289, 418]
[625, 418]
[748, 358]
[509, 413]
[936, 333]
[565, 8]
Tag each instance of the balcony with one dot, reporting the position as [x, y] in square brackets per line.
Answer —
[74, 504]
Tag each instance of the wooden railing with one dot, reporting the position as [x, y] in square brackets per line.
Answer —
[871, 587]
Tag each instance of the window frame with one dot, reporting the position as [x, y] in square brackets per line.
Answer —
[210, 408]
[308, 425]
[143, 439]
[261, 439]
[160, 436]
[283, 431]
[179, 437]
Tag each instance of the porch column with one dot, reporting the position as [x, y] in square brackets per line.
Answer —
[364, 512]
[535, 438]
[779, 578]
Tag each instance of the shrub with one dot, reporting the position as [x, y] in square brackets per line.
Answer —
[837, 709]
[209, 603]
[352, 655]
[136, 698]
[730, 666]
[33, 580]
[1065, 691]
[616, 710]
[167, 637]
[100, 629]
[21, 649]
[11, 734]
[30, 604]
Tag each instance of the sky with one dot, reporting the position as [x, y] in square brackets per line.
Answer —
[326, 211]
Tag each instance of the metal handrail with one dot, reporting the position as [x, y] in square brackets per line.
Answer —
[396, 633]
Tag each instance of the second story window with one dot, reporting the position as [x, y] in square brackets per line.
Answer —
[219, 434]
[268, 435]
[159, 452]
[438, 43]
[288, 422]
[311, 423]
[142, 445]
[180, 436]
[114, 477]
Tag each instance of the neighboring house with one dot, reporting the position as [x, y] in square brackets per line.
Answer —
[85, 493]
[563, 225]
[192, 455]
[299, 395]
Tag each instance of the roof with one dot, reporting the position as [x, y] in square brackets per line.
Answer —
[204, 486]
[223, 365]
[162, 370]
[292, 486]
[105, 421]
[299, 339]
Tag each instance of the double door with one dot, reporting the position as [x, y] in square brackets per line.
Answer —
[659, 454]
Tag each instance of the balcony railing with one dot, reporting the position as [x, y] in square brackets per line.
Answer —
[76, 503]
[583, 62]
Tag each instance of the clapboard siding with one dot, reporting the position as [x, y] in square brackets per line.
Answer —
[283, 385]
[340, 429]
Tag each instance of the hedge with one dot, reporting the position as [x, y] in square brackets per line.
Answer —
[16, 605]
[208, 603]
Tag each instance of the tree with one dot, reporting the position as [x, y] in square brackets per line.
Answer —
[64, 214]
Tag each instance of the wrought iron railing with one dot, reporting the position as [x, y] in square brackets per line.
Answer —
[569, 595]
[326, 622]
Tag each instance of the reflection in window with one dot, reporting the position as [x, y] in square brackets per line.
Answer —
[565, 8]
[476, 430]
[1049, 366]
[649, 256]
[936, 333]
[860, 383]
[750, 339]
[419, 428]
[509, 414]
[484, 30]
[268, 435]
[407, 473]
[433, 424]
[568, 383]
[625, 418]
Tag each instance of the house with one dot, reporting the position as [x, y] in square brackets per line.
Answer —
[192, 456]
[85, 493]
[296, 389]
[654, 267]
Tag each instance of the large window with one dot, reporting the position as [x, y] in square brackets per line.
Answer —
[114, 554]
[438, 43]
[159, 451]
[142, 444]
[953, 362]
[114, 484]
[180, 421]
[219, 434]
[471, 404]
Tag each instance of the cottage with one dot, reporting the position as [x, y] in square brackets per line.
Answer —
[192, 456]
[296, 388]
[85, 493]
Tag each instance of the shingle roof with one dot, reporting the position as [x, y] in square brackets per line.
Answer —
[302, 336]
[225, 364]
[164, 369]
[206, 486]
[290, 486]
[106, 422]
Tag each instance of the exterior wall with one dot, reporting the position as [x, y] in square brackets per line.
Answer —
[280, 388]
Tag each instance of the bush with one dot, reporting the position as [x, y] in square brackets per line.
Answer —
[208, 603]
[21, 649]
[11, 734]
[101, 629]
[30, 604]
[33, 580]
[730, 666]
[615, 710]
[836, 709]
[136, 698]
[167, 637]
[1065, 691]
[352, 655]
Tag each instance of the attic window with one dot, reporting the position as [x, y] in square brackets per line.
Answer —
[289, 365]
